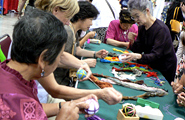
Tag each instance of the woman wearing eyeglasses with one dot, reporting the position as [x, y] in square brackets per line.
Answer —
[154, 44]
[121, 31]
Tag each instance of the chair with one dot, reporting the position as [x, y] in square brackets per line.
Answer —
[5, 42]
[105, 40]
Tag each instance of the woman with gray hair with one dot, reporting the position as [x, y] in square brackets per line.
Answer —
[153, 45]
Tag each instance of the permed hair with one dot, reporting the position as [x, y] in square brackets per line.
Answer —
[87, 10]
[125, 17]
[140, 5]
[35, 32]
[69, 6]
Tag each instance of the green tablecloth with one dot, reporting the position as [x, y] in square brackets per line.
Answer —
[168, 105]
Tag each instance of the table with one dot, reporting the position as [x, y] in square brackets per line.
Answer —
[168, 105]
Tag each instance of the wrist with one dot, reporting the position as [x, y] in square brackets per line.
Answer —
[138, 56]
[95, 54]
[59, 106]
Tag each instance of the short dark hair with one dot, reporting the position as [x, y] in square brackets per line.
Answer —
[87, 10]
[125, 17]
[35, 32]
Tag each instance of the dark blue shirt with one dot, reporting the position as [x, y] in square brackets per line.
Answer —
[155, 45]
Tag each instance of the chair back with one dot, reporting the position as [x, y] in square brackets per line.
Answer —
[5, 42]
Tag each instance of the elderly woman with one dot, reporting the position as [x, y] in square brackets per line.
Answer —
[153, 45]
[35, 54]
[120, 31]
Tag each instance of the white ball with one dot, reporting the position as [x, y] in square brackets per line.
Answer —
[178, 119]
[93, 106]
[121, 57]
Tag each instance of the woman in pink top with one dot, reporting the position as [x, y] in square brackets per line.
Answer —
[121, 31]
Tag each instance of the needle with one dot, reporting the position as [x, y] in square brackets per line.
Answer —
[94, 83]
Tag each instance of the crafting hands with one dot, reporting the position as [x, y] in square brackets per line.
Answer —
[80, 103]
[110, 96]
[91, 62]
[85, 66]
[131, 56]
[101, 53]
[91, 34]
[132, 36]
[177, 87]
[181, 99]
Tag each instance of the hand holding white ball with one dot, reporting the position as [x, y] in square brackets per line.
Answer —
[93, 106]
[121, 57]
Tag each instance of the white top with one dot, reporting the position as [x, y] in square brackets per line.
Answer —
[105, 16]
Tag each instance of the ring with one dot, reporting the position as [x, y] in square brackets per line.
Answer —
[181, 103]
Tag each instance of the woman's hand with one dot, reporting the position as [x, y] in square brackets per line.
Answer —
[101, 53]
[181, 99]
[85, 66]
[91, 34]
[131, 56]
[91, 62]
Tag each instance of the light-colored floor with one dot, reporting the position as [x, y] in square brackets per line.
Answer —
[6, 23]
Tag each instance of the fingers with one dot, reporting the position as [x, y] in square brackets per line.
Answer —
[181, 99]
[179, 89]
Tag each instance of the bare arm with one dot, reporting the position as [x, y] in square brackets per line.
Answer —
[51, 109]
[109, 95]
[21, 7]
[84, 53]
[69, 61]
[90, 34]
[117, 43]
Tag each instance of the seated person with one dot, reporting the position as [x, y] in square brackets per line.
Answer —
[121, 31]
[80, 21]
[109, 95]
[32, 57]
[154, 44]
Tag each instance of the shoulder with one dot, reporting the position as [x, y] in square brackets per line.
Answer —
[158, 24]
[114, 22]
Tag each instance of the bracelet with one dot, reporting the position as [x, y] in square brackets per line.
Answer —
[95, 54]
[59, 105]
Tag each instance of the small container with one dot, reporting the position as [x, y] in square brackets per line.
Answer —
[121, 116]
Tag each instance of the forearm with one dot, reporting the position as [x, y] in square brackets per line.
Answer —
[69, 61]
[21, 5]
[84, 53]
[64, 92]
[51, 109]
[83, 40]
[117, 43]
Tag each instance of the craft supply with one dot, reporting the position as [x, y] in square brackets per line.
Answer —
[129, 110]
[144, 96]
[94, 117]
[121, 57]
[81, 73]
[93, 106]
[143, 102]
[95, 41]
[148, 112]
[101, 84]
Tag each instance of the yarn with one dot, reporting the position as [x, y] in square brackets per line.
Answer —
[94, 117]
[129, 110]
[81, 73]
[93, 106]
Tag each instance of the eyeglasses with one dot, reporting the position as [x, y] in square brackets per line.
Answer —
[135, 17]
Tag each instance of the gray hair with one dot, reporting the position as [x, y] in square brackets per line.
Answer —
[140, 5]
